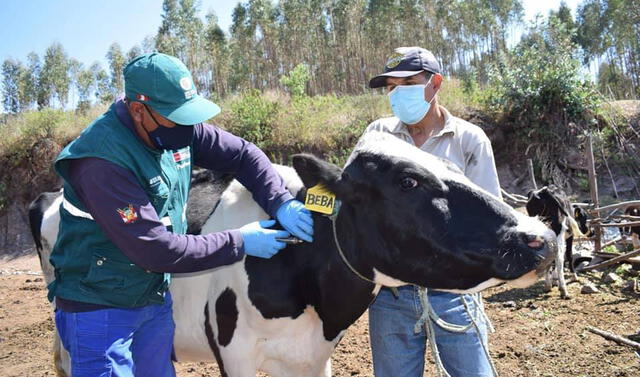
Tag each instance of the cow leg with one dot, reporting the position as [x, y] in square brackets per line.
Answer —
[61, 358]
[568, 257]
[562, 285]
[548, 279]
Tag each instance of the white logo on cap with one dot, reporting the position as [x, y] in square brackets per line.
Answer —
[185, 83]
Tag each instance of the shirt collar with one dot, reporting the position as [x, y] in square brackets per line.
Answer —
[449, 125]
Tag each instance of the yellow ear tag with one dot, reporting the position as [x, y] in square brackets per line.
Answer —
[320, 199]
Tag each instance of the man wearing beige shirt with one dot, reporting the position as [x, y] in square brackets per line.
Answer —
[412, 79]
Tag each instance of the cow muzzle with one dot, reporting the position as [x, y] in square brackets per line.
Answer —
[541, 248]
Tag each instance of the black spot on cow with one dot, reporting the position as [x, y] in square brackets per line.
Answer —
[204, 196]
[208, 330]
[226, 316]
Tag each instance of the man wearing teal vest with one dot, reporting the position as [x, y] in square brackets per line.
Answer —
[122, 228]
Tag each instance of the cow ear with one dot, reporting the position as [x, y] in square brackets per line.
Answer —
[313, 170]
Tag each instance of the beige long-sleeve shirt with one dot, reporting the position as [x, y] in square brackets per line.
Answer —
[460, 142]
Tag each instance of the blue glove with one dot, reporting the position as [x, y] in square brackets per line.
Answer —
[261, 242]
[296, 219]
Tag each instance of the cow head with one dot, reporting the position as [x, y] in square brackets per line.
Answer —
[580, 215]
[410, 217]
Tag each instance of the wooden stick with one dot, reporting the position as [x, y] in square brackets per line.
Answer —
[517, 199]
[593, 189]
[616, 338]
[615, 260]
[618, 225]
[618, 205]
[615, 240]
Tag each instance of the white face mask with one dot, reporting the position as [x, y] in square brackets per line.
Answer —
[408, 102]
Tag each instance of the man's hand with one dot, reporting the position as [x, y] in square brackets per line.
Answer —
[296, 219]
[261, 242]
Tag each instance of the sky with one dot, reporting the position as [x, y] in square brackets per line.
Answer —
[86, 28]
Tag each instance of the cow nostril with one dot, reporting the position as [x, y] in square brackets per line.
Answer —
[533, 241]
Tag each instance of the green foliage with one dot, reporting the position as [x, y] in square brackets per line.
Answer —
[252, 116]
[22, 131]
[539, 94]
[327, 126]
[611, 28]
[540, 78]
[296, 80]
[614, 83]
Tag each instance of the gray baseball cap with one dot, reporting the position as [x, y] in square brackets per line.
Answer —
[405, 62]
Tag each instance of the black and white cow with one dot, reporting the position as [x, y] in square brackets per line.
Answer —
[406, 217]
[581, 217]
[553, 209]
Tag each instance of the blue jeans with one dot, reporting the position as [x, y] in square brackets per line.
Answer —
[398, 351]
[119, 342]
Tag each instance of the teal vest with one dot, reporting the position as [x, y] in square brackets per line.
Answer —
[88, 266]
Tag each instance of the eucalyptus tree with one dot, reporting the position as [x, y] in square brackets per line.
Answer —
[86, 87]
[10, 82]
[102, 87]
[117, 61]
[216, 55]
[133, 52]
[167, 37]
[54, 76]
[29, 81]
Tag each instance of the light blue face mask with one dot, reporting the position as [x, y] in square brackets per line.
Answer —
[408, 103]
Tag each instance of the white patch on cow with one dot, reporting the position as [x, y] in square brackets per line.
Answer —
[525, 280]
[556, 272]
[386, 280]
[480, 287]
[49, 234]
[532, 225]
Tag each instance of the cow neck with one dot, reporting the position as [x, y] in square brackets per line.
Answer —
[343, 248]
[334, 219]
[340, 287]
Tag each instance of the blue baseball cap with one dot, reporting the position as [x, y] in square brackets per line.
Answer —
[165, 84]
[405, 62]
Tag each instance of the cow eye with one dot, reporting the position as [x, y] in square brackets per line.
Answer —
[408, 183]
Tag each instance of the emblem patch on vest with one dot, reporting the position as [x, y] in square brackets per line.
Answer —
[181, 155]
[128, 214]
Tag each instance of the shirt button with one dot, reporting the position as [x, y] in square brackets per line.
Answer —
[99, 263]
